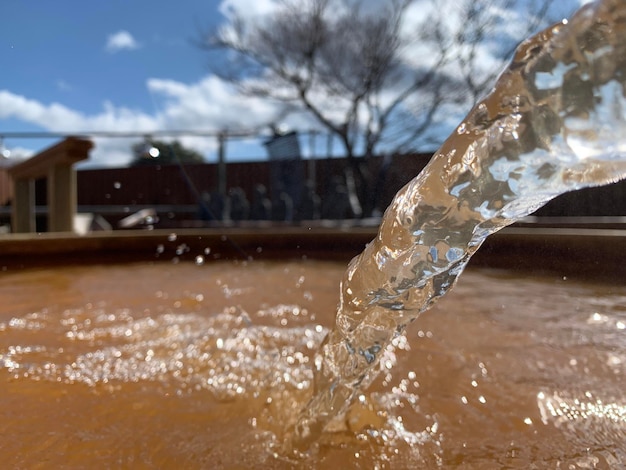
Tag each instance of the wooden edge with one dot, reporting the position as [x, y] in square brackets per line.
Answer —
[569, 252]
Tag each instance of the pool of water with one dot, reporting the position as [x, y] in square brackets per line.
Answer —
[206, 366]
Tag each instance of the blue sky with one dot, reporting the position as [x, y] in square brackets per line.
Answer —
[95, 59]
[120, 65]
[74, 52]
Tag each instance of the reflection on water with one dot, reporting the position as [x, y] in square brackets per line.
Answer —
[205, 367]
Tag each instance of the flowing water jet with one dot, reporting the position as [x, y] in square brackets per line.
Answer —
[554, 122]
[194, 364]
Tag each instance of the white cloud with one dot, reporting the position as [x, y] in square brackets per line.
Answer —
[55, 117]
[209, 105]
[12, 105]
[14, 155]
[122, 40]
[252, 8]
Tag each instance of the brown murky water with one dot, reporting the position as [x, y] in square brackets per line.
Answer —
[204, 366]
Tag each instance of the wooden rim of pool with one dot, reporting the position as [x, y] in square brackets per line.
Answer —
[591, 252]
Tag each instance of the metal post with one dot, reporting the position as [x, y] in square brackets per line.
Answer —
[311, 170]
[221, 164]
[329, 145]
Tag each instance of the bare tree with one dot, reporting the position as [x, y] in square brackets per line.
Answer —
[310, 54]
[355, 68]
[483, 25]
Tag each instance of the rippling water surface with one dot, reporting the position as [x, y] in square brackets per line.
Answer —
[157, 365]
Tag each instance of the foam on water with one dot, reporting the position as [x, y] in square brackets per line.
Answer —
[227, 353]
[554, 122]
[173, 345]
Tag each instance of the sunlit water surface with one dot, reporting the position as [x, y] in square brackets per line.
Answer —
[179, 365]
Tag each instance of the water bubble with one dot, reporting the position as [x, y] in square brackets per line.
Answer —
[172, 237]
[199, 260]
[117, 185]
[454, 254]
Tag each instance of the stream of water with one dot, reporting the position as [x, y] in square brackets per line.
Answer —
[554, 122]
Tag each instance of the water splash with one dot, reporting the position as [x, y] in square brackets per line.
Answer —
[555, 122]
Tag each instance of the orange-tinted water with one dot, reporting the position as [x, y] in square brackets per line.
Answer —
[186, 366]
